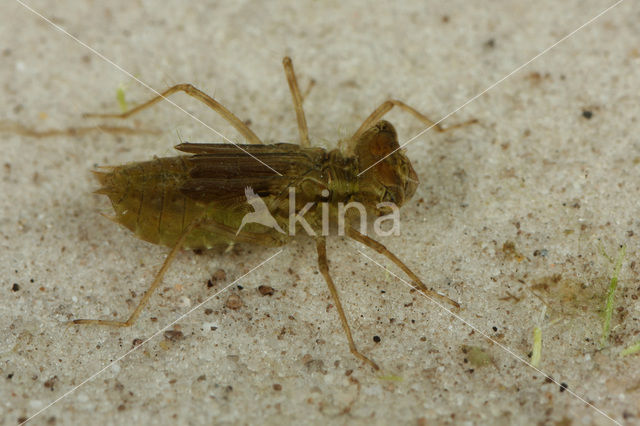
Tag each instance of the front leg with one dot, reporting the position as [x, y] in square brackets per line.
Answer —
[379, 112]
[380, 248]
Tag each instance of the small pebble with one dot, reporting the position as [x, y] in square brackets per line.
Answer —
[234, 302]
[265, 290]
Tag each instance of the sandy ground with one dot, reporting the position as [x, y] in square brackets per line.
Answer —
[516, 217]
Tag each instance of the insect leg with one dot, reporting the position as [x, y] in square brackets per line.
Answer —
[324, 269]
[297, 101]
[147, 295]
[199, 95]
[370, 242]
[379, 112]
[17, 128]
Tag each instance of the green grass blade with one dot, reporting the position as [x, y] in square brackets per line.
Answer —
[608, 309]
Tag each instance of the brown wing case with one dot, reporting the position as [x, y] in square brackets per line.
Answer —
[219, 172]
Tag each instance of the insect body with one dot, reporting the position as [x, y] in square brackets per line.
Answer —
[159, 199]
[223, 194]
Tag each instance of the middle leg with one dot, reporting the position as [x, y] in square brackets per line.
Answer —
[324, 269]
[297, 101]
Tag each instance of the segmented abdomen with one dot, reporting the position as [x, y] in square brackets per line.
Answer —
[147, 200]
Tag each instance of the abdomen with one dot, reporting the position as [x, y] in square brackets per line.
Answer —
[147, 200]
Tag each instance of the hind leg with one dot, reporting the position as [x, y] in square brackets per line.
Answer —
[11, 127]
[147, 295]
[190, 90]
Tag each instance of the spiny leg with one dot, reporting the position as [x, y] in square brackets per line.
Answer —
[199, 95]
[380, 248]
[147, 295]
[17, 128]
[379, 112]
[324, 269]
[297, 101]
